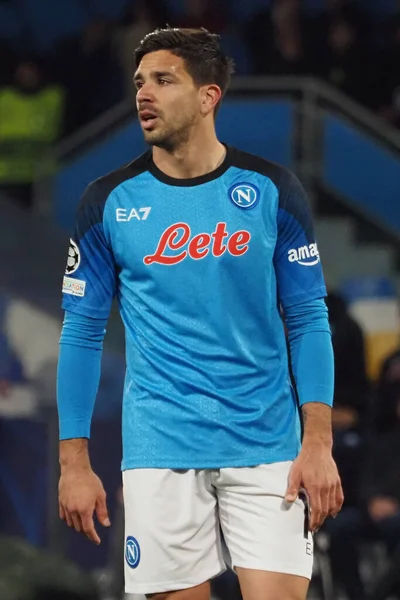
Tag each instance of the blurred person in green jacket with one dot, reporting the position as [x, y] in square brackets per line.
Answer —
[31, 120]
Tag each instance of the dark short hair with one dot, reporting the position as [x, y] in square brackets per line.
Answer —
[200, 50]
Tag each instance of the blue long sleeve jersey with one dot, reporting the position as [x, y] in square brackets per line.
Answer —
[201, 268]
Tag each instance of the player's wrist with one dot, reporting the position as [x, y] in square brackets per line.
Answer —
[317, 442]
[317, 422]
[75, 467]
[74, 454]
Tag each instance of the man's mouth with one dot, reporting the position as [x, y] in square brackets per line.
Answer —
[147, 118]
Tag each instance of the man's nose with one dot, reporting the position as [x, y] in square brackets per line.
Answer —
[145, 94]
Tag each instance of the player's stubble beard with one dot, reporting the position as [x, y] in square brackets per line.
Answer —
[172, 137]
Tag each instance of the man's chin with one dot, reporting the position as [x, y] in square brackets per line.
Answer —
[153, 138]
[167, 139]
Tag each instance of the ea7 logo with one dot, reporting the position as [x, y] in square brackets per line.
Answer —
[124, 215]
[308, 256]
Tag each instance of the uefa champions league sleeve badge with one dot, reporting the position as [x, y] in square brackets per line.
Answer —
[74, 258]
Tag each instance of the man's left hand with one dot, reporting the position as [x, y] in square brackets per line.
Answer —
[315, 471]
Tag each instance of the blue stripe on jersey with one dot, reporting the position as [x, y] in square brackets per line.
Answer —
[296, 258]
[293, 202]
[94, 259]
[297, 263]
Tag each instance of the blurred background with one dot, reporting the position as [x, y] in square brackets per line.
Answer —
[317, 88]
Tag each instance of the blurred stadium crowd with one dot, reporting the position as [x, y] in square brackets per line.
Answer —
[56, 79]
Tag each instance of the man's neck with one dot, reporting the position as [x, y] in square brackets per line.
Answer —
[193, 159]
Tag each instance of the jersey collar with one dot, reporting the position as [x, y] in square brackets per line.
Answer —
[192, 181]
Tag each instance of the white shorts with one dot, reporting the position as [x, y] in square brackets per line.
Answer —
[173, 521]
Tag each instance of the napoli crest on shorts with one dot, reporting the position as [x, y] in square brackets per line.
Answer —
[244, 195]
[132, 552]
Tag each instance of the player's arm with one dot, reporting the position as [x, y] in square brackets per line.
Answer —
[312, 364]
[88, 289]
[301, 291]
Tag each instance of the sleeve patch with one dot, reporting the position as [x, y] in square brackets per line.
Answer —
[74, 287]
[74, 258]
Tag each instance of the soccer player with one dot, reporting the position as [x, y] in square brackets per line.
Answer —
[203, 245]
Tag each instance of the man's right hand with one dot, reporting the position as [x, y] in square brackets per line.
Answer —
[80, 495]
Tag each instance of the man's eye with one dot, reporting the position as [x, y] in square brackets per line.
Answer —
[163, 81]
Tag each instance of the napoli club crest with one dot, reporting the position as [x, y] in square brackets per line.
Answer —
[244, 195]
[132, 552]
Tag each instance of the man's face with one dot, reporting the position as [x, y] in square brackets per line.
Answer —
[167, 100]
